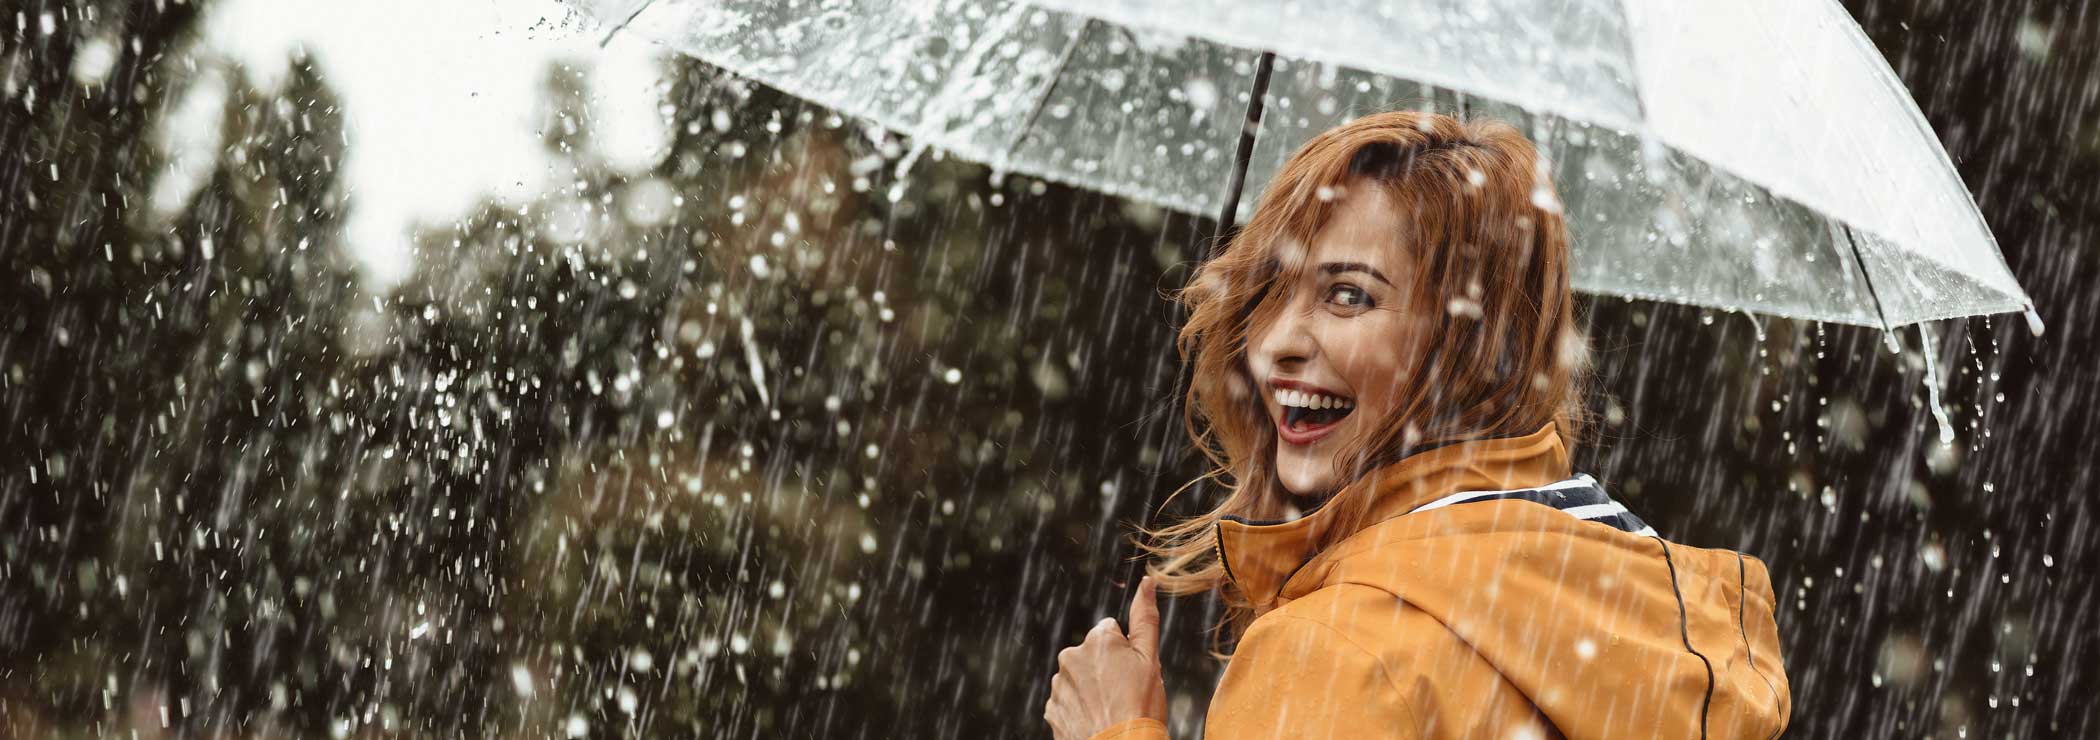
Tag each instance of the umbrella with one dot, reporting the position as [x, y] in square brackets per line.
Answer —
[1753, 156]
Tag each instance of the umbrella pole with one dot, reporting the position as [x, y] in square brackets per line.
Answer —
[1227, 215]
[1231, 210]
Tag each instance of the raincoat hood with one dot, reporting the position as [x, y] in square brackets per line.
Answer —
[1493, 593]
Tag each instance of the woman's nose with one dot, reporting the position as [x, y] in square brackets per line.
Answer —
[1286, 344]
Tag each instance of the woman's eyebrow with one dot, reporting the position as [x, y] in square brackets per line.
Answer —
[1336, 268]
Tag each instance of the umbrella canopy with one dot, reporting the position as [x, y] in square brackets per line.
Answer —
[1754, 156]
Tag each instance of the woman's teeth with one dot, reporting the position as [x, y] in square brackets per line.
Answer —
[1315, 401]
[1302, 409]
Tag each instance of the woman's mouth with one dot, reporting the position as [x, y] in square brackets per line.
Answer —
[1309, 416]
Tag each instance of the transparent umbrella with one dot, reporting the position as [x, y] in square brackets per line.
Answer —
[1750, 156]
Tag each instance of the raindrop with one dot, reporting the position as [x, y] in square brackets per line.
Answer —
[1542, 197]
[92, 63]
[1934, 556]
[521, 680]
[1112, 80]
[2033, 37]
[1202, 94]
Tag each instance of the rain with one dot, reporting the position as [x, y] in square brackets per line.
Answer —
[556, 369]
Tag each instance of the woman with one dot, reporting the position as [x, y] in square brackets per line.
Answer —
[1388, 376]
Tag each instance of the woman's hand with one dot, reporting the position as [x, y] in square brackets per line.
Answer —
[1110, 677]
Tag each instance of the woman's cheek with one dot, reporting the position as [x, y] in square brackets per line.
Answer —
[1366, 352]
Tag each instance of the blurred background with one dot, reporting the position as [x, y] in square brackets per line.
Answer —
[461, 370]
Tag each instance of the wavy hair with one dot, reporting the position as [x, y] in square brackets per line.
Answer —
[1502, 356]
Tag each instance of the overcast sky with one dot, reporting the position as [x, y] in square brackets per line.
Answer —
[440, 98]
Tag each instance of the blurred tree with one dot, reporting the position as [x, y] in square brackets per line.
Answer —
[728, 370]
[167, 383]
[86, 357]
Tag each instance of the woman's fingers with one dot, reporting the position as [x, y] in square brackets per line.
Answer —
[1104, 629]
[1144, 620]
[1105, 677]
[1058, 709]
[1053, 713]
[1097, 681]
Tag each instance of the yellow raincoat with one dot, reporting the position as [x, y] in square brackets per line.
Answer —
[1494, 597]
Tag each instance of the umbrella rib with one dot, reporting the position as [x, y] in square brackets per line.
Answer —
[623, 24]
[1633, 65]
[1035, 112]
[935, 113]
[1866, 275]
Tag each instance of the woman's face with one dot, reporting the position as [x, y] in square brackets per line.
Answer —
[1330, 366]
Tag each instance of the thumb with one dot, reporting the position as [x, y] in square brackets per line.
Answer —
[1144, 620]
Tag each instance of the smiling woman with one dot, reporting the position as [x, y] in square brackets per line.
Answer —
[1401, 268]
[1402, 262]
[1388, 376]
[1341, 337]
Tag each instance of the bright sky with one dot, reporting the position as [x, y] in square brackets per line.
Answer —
[441, 100]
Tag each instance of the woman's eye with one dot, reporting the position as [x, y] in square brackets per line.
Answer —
[1348, 295]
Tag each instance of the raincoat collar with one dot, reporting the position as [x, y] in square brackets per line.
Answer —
[1261, 556]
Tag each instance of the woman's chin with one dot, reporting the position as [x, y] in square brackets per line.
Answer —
[1300, 481]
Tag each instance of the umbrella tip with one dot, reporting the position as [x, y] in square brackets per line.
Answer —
[2034, 320]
